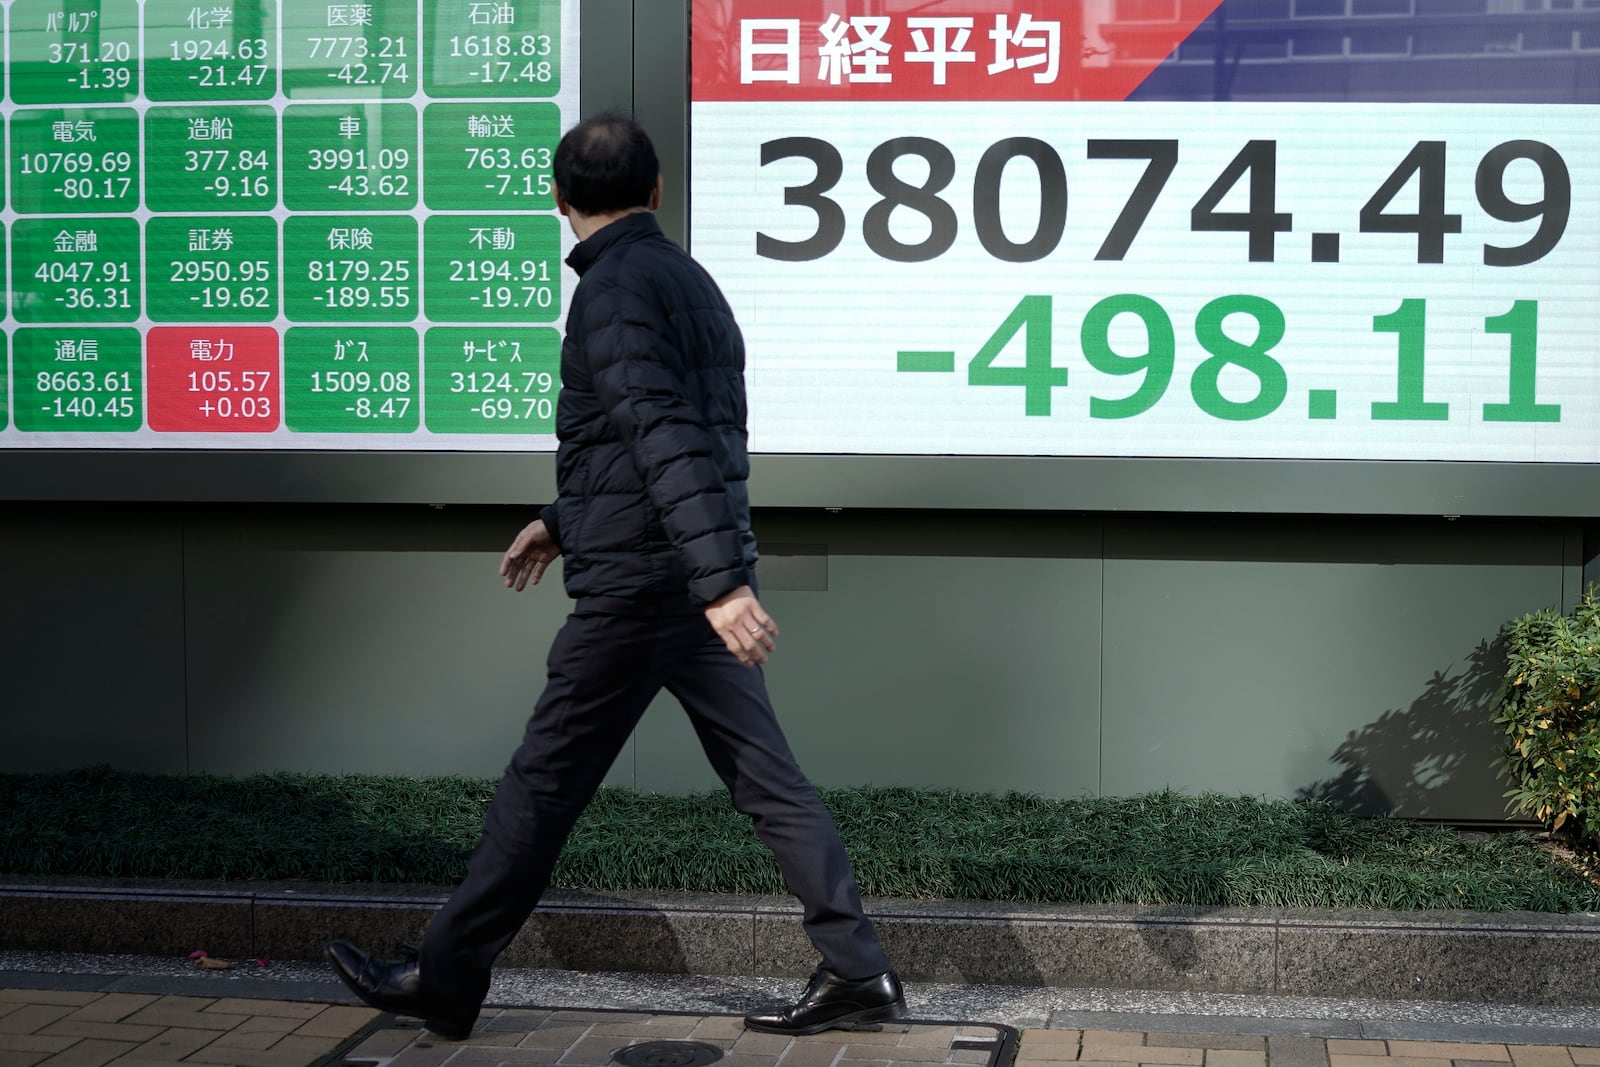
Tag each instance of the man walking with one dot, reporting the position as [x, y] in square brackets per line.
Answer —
[653, 518]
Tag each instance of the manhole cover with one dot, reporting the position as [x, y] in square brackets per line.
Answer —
[667, 1054]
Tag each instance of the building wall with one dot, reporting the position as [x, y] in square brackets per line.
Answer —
[1065, 654]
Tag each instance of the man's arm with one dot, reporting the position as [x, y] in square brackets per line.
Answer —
[531, 552]
[744, 626]
[638, 379]
[641, 387]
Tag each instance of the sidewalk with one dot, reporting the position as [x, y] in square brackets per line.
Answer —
[60, 1028]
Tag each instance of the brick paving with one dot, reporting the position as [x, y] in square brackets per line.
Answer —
[41, 1028]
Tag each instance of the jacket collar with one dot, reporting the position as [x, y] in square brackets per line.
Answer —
[627, 229]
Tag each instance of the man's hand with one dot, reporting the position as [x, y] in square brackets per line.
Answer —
[528, 556]
[744, 627]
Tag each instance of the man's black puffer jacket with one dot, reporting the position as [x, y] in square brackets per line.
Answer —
[652, 506]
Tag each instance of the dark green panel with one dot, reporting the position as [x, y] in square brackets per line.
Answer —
[920, 664]
[361, 642]
[1349, 660]
[92, 639]
[661, 101]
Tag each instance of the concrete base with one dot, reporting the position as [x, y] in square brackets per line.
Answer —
[1514, 958]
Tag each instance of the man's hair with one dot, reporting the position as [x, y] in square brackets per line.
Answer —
[606, 164]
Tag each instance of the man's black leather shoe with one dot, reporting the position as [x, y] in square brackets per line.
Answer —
[834, 1003]
[393, 985]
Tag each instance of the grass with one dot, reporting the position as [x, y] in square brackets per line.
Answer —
[1159, 848]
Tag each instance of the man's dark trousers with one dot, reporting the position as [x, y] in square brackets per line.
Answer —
[604, 669]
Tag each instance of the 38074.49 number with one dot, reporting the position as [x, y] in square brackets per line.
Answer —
[1255, 165]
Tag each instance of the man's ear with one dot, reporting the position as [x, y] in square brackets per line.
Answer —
[561, 201]
[655, 194]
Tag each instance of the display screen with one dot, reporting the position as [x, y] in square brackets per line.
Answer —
[280, 224]
[1301, 229]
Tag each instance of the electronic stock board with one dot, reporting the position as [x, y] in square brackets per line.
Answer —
[280, 224]
[1250, 229]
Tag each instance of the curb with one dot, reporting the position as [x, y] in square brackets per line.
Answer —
[1498, 958]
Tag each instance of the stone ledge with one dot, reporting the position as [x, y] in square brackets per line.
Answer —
[1516, 957]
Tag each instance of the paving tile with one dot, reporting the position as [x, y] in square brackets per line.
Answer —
[660, 1028]
[929, 1036]
[33, 1043]
[382, 1044]
[284, 1009]
[49, 996]
[1349, 1047]
[110, 1008]
[104, 1031]
[1113, 1037]
[747, 1060]
[718, 1026]
[174, 1043]
[1522, 1055]
[21, 1059]
[265, 1024]
[338, 1021]
[89, 1053]
[901, 1053]
[188, 1012]
[554, 1037]
[259, 1040]
[1297, 1052]
[590, 1050]
[9, 1006]
[753, 1041]
[287, 1052]
[425, 1054]
[491, 1039]
[1228, 1057]
[1238, 1042]
[1449, 1050]
[1390, 1061]
[1580, 1054]
[523, 1019]
[1125, 1053]
[864, 1063]
[975, 1056]
[1052, 1037]
[888, 1035]
[494, 1057]
[801, 1054]
[1055, 1052]
[32, 1017]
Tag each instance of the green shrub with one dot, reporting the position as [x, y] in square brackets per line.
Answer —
[1552, 726]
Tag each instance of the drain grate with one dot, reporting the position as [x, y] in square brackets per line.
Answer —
[667, 1054]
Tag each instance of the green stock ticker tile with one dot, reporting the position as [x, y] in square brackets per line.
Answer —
[358, 269]
[212, 268]
[491, 379]
[490, 156]
[66, 161]
[222, 159]
[212, 52]
[74, 51]
[492, 268]
[510, 48]
[350, 157]
[350, 50]
[75, 270]
[78, 379]
[351, 379]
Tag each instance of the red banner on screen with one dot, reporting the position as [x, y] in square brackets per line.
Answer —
[956, 50]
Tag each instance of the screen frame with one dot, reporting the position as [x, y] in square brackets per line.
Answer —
[634, 55]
